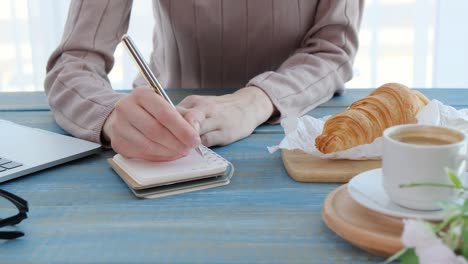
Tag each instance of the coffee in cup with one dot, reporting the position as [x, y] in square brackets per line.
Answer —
[421, 154]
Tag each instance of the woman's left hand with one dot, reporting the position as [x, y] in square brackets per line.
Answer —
[221, 120]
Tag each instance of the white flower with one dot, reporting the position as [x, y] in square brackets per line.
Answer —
[428, 247]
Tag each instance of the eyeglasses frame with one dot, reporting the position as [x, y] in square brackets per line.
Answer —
[23, 209]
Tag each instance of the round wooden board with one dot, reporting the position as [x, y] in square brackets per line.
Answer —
[371, 231]
[304, 167]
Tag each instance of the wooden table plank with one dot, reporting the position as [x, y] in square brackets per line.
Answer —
[37, 119]
[454, 97]
[27, 101]
[23, 101]
[82, 212]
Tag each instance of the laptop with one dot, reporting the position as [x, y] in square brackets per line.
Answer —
[24, 150]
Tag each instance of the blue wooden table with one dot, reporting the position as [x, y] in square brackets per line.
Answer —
[81, 212]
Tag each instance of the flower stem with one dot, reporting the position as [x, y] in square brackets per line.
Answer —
[432, 185]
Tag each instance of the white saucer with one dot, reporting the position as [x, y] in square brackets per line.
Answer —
[367, 189]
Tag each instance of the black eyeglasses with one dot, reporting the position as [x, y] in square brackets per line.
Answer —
[22, 206]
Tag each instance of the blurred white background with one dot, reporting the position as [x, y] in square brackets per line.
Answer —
[420, 43]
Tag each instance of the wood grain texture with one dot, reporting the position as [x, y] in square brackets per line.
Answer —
[37, 101]
[304, 167]
[374, 232]
[82, 212]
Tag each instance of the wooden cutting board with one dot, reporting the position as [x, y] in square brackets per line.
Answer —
[304, 167]
[369, 230]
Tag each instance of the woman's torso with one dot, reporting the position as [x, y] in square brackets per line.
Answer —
[216, 43]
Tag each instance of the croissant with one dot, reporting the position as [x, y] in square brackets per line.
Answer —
[365, 120]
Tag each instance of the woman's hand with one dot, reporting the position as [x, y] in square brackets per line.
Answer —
[143, 125]
[227, 118]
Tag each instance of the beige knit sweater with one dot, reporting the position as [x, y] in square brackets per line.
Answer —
[300, 52]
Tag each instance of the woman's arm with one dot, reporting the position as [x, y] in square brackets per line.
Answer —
[77, 86]
[311, 76]
[137, 125]
[323, 63]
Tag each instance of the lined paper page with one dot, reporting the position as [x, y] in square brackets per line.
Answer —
[189, 167]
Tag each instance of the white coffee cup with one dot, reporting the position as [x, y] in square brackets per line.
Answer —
[421, 154]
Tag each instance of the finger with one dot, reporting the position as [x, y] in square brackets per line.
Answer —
[197, 101]
[181, 110]
[214, 138]
[190, 101]
[152, 129]
[190, 117]
[170, 118]
[131, 142]
[195, 118]
[205, 104]
[208, 125]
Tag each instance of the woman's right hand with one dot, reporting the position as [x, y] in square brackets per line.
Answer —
[143, 125]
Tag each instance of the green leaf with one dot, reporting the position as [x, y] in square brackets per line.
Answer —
[454, 178]
[409, 257]
[406, 256]
[396, 255]
[449, 218]
[465, 206]
[464, 249]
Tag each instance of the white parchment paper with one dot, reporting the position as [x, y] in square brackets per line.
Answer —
[300, 133]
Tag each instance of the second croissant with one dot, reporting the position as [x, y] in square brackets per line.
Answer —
[365, 120]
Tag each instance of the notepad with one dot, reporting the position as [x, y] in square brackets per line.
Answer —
[155, 179]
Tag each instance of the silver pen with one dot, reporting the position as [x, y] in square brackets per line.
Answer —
[147, 73]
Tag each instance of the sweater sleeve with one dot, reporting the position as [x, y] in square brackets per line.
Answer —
[321, 65]
[77, 86]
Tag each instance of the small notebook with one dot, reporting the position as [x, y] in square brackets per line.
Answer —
[155, 179]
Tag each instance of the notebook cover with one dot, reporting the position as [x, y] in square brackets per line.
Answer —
[127, 179]
[175, 188]
[186, 186]
[190, 167]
